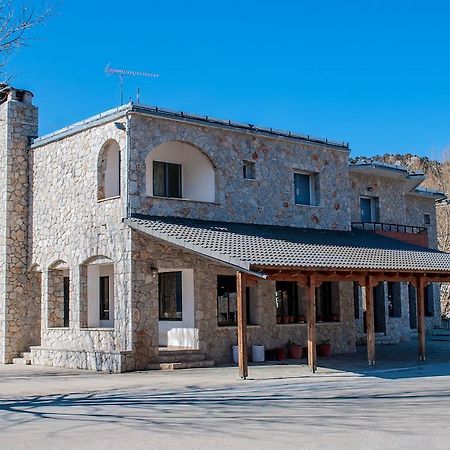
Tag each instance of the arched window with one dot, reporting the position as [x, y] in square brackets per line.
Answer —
[97, 289]
[180, 170]
[109, 170]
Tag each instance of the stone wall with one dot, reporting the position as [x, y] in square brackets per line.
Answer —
[215, 340]
[268, 200]
[19, 320]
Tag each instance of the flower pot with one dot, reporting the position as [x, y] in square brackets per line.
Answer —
[295, 351]
[279, 319]
[301, 319]
[324, 350]
[285, 319]
[281, 353]
[335, 318]
[291, 319]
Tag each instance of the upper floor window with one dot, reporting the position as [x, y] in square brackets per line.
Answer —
[108, 171]
[180, 170]
[167, 180]
[248, 168]
[427, 219]
[369, 209]
[305, 188]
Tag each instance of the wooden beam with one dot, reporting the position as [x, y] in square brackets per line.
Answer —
[311, 312]
[370, 321]
[242, 325]
[421, 317]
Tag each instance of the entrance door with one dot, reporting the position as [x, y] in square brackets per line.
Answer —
[366, 209]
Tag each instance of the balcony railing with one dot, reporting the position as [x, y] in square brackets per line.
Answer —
[389, 227]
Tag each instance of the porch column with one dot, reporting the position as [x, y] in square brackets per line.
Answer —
[311, 312]
[370, 321]
[242, 325]
[421, 317]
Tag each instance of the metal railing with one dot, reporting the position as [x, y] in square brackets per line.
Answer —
[398, 228]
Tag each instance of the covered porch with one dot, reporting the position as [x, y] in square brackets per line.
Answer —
[258, 254]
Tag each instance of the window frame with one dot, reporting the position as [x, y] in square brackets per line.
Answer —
[231, 323]
[178, 296]
[66, 300]
[426, 219]
[374, 208]
[328, 302]
[165, 181]
[104, 314]
[394, 299]
[312, 180]
[249, 164]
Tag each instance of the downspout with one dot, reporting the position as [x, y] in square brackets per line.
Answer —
[127, 169]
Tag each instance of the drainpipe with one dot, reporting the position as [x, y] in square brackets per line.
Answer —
[128, 160]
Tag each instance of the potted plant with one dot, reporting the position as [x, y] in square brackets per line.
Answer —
[320, 318]
[279, 319]
[291, 319]
[301, 319]
[285, 319]
[294, 350]
[281, 353]
[324, 348]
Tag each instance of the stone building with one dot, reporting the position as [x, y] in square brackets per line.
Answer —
[121, 237]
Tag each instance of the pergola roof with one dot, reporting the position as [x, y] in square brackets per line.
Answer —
[260, 247]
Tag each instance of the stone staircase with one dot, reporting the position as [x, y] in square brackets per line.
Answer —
[24, 359]
[173, 358]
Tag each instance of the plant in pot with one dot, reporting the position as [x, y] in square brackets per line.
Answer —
[279, 319]
[301, 319]
[285, 319]
[324, 348]
[294, 350]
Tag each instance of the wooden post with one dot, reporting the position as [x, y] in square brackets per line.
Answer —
[421, 317]
[311, 311]
[370, 321]
[242, 325]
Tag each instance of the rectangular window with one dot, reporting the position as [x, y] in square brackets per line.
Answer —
[370, 209]
[104, 298]
[66, 301]
[412, 307]
[429, 300]
[170, 296]
[227, 301]
[249, 170]
[394, 299]
[305, 189]
[167, 179]
[327, 302]
[427, 219]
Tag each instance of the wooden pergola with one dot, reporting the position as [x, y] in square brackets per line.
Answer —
[310, 279]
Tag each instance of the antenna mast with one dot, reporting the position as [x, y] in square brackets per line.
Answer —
[122, 73]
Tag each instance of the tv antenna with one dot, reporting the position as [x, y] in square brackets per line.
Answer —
[125, 73]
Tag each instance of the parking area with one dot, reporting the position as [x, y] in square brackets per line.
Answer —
[345, 404]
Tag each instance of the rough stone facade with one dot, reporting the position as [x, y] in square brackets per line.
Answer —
[54, 217]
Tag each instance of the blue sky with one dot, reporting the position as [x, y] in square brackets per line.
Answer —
[373, 73]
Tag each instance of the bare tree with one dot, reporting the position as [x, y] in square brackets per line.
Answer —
[16, 21]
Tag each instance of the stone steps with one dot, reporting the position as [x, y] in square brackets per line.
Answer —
[181, 358]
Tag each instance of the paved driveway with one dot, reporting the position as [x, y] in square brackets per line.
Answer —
[398, 405]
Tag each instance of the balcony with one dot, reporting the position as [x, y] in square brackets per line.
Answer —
[407, 233]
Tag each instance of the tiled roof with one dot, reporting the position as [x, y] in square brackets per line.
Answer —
[261, 246]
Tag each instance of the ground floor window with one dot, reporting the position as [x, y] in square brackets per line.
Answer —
[104, 298]
[66, 295]
[170, 296]
[412, 307]
[227, 301]
[429, 301]
[327, 302]
[356, 299]
[287, 301]
[394, 299]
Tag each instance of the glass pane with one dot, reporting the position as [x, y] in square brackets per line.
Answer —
[158, 179]
[366, 210]
[174, 180]
[302, 189]
[170, 296]
[226, 300]
[104, 298]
